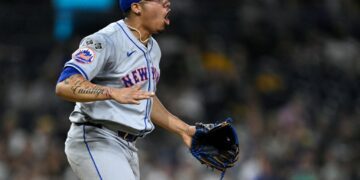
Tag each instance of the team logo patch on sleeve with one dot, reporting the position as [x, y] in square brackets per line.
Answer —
[84, 55]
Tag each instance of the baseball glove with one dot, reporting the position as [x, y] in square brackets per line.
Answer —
[215, 145]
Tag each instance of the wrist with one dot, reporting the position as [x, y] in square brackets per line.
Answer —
[190, 131]
[187, 135]
[109, 93]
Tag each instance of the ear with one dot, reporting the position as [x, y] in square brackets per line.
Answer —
[136, 8]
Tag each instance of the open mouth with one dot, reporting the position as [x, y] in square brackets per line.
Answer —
[166, 18]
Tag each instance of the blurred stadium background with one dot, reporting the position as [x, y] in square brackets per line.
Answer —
[287, 71]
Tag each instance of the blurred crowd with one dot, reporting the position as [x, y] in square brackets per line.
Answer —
[287, 72]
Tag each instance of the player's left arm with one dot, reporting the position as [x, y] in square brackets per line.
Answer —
[163, 118]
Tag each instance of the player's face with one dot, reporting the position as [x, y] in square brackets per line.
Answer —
[155, 15]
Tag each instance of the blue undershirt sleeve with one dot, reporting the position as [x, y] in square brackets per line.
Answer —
[67, 72]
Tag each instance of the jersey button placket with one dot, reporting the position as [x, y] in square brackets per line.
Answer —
[150, 79]
[146, 120]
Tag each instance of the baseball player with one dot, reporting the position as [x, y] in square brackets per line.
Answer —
[112, 77]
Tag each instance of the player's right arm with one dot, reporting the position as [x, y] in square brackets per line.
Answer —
[75, 84]
[77, 89]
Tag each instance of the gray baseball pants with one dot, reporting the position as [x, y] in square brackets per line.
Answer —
[98, 153]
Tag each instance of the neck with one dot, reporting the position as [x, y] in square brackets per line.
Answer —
[139, 32]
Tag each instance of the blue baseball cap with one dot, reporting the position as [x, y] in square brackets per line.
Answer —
[126, 4]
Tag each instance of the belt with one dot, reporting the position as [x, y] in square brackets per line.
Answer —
[126, 136]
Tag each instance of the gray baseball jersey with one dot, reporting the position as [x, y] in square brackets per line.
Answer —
[114, 57]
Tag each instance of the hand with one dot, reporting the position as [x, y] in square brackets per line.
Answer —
[131, 95]
[187, 136]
